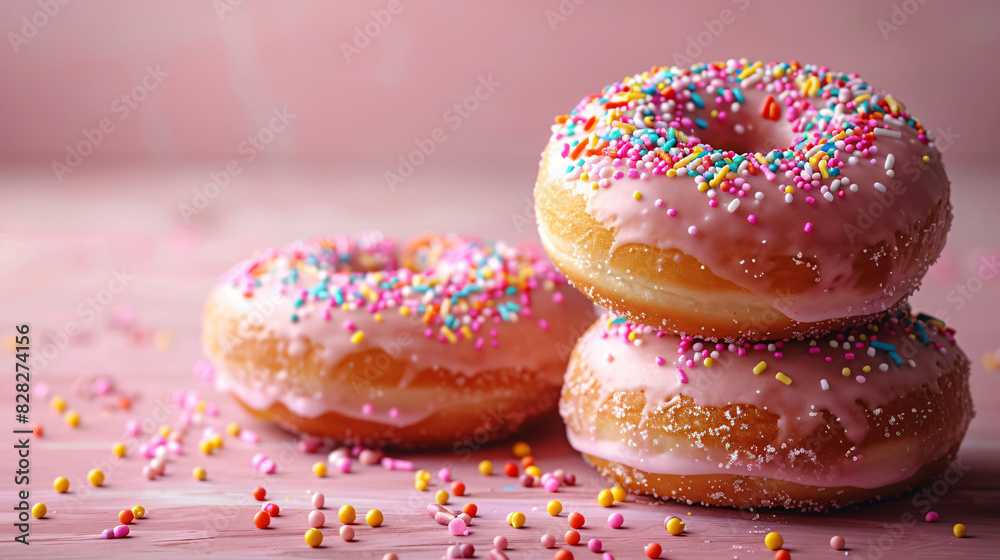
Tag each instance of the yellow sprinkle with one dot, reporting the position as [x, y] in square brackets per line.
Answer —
[959, 530]
[422, 475]
[404, 311]
[761, 159]
[95, 477]
[717, 180]
[631, 336]
[840, 136]
[487, 273]
[671, 173]
[703, 187]
[118, 449]
[216, 441]
[585, 176]
[72, 418]
[441, 497]
[199, 473]
[357, 337]
[789, 189]
[811, 86]
[39, 510]
[708, 362]
[466, 332]
[486, 467]
[926, 159]
[628, 128]
[58, 404]
[866, 369]
[637, 195]
[779, 71]
[138, 512]
[823, 168]
[346, 514]
[783, 378]
[374, 518]
[319, 469]
[233, 429]
[861, 98]
[619, 493]
[516, 520]
[688, 159]
[164, 431]
[206, 447]
[605, 498]
[554, 508]
[674, 526]
[61, 484]
[894, 105]
[846, 372]
[420, 485]
[533, 470]
[749, 70]
[759, 368]
[448, 334]
[595, 186]
[378, 317]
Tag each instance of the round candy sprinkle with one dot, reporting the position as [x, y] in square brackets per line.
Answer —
[838, 543]
[516, 520]
[318, 500]
[441, 497]
[653, 550]
[554, 508]
[674, 525]
[458, 528]
[390, 556]
[486, 467]
[470, 509]
[199, 473]
[444, 474]
[774, 541]
[520, 449]
[605, 498]
[420, 485]
[316, 519]
[510, 469]
[259, 494]
[782, 554]
[548, 541]
[572, 537]
[261, 520]
[272, 509]
[108, 534]
[959, 530]
[95, 477]
[61, 485]
[374, 518]
[458, 488]
[319, 469]
[346, 514]
[564, 555]
[118, 449]
[72, 418]
[615, 520]
[39, 510]
[576, 520]
[125, 516]
[500, 542]
[121, 531]
[138, 512]
[314, 537]
[931, 516]
[619, 493]
[422, 475]
[594, 545]
[533, 470]
[347, 533]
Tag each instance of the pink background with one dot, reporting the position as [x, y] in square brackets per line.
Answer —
[226, 75]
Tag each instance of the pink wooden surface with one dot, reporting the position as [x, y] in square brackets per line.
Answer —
[61, 246]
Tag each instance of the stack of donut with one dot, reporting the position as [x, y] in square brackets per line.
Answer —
[754, 231]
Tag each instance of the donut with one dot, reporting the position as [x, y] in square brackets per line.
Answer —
[804, 424]
[445, 341]
[738, 201]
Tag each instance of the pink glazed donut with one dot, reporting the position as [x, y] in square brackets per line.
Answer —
[736, 201]
[439, 343]
[806, 424]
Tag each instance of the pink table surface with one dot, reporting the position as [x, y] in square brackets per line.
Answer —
[61, 246]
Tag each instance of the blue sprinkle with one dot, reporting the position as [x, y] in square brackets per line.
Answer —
[697, 100]
[895, 358]
[922, 334]
[738, 95]
[882, 346]
[619, 320]
[701, 123]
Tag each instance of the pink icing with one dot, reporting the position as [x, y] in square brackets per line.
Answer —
[619, 364]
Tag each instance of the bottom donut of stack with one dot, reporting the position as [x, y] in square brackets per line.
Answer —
[804, 424]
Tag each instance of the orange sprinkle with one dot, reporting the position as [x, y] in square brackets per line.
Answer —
[561, 119]
[590, 123]
[577, 150]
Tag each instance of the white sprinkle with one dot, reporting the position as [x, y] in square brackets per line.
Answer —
[854, 187]
[887, 133]
[890, 160]
[890, 173]
[884, 367]
[871, 351]
[829, 196]
[880, 187]
[733, 205]
[789, 198]
[692, 230]
[824, 384]
[759, 195]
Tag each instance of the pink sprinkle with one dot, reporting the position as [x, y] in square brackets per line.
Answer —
[367, 409]
[615, 520]
[248, 436]
[594, 545]
[393, 412]
[121, 531]
[445, 474]
[692, 230]
[931, 516]
[343, 464]
[272, 509]
[318, 499]
[458, 528]
[809, 227]
[309, 445]
[752, 219]
[569, 479]
[102, 385]
[849, 356]
[108, 534]
[316, 519]
[500, 542]
[548, 541]
[551, 484]
[349, 325]
[660, 361]
[659, 203]
[268, 466]
[257, 459]
[557, 297]
[860, 378]
[681, 375]
[543, 324]
[671, 212]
